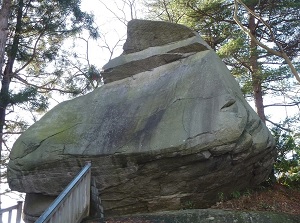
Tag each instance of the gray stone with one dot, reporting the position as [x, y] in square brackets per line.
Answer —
[35, 205]
[142, 34]
[127, 65]
[176, 133]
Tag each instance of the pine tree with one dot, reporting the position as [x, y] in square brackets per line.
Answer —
[4, 16]
[258, 69]
[259, 40]
[34, 64]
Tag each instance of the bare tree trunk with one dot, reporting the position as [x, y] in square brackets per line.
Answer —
[281, 53]
[256, 75]
[7, 74]
[4, 15]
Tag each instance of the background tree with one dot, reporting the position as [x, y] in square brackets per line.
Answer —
[261, 34]
[58, 59]
[34, 64]
[4, 15]
[258, 40]
[249, 62]
[123, 10]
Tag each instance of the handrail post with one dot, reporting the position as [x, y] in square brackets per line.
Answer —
[10, 210]
[19, 211]
[88, 192]
[61, 205]
[9, 216]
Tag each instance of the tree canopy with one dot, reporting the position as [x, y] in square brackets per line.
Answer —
[259, 41]
[259, 61]
[34, 63]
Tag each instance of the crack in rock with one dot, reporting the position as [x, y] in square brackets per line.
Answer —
[30, 149]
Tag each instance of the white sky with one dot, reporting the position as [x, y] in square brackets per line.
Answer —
[111, 29]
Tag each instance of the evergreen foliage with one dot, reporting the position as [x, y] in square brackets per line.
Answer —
[287, 166]
[260, 72]
[35, 64]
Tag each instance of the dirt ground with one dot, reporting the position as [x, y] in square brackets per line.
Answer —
[276, 198]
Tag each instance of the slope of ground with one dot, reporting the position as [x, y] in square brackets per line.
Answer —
[276, 198]
[272, 199]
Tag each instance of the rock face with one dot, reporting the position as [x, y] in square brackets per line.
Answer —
[160, 43]
[170, 128]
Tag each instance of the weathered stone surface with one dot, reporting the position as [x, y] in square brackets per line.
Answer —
[176, 133]
[35, 205]
[142, 34]
[160, 44]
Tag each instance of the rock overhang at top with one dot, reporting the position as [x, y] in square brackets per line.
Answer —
[170, 126]
[143, 34]
[148, 47]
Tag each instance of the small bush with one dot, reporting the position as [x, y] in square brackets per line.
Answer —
[287, 165]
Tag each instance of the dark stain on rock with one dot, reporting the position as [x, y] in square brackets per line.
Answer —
[147, 64]
[191, 48]
[134, 67]
[144, 135]
[115, 129]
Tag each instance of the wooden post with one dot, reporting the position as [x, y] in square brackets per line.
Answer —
[19, 211]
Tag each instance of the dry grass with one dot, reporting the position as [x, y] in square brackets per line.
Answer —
[277, 198]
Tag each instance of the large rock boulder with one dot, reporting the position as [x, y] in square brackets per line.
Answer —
[170, 127]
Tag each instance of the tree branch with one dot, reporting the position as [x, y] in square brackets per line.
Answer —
[42, 87]
[279, 126]
[14, 74]
[12, 133]
[115, 14]
[283, 105]
[281, 54]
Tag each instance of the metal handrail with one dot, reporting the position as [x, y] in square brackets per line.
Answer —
[73, 204]
[10, 209]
